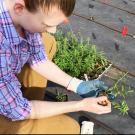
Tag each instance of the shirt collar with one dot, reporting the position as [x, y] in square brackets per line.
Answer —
[8, 27]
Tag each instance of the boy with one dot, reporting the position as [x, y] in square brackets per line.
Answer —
[24, 59]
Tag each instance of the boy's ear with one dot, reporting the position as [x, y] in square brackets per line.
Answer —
[66, 21]
[19, 7]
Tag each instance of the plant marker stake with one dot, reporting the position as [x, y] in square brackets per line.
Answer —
[124, 31]
[86, 77]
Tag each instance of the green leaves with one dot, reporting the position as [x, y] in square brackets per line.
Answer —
[122, 106]
[61, 97]
[77, 57]
[120, 90]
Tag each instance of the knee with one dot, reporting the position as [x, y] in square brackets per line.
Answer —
[49, 43]
[73, 126]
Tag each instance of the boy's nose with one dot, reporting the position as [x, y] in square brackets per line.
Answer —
[51, 29]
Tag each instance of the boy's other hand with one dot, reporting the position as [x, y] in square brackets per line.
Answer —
[94, 105]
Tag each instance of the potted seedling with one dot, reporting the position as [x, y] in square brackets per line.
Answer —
[61, 97]
[76, 56]
[55, 94]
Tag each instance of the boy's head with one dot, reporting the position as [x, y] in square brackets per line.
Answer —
[40, 15]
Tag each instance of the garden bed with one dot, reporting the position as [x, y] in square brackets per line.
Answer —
[80, 59]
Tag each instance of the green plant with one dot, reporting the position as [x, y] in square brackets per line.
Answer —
[76, 56]
[121, 91]
[61, 97]
[122, 106]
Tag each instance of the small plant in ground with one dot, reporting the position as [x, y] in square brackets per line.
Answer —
[77, 56]
[121, 91]
[61, 97]
[122, 106]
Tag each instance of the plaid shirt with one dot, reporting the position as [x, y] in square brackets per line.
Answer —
[14, 53]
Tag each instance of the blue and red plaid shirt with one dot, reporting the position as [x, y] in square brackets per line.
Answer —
[14, 53]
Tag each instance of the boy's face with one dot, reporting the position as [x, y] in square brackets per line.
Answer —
[39, 21]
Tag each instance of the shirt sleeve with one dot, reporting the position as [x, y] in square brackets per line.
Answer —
[12, 104]
[37, 51]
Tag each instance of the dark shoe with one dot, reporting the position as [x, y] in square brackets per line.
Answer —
[131, 113]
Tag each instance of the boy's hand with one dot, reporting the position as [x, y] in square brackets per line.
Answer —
[90, 88]
[93, 105]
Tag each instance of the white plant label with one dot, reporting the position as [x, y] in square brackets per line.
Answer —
[87, 127]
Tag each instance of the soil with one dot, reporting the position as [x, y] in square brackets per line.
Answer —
[95, 73]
